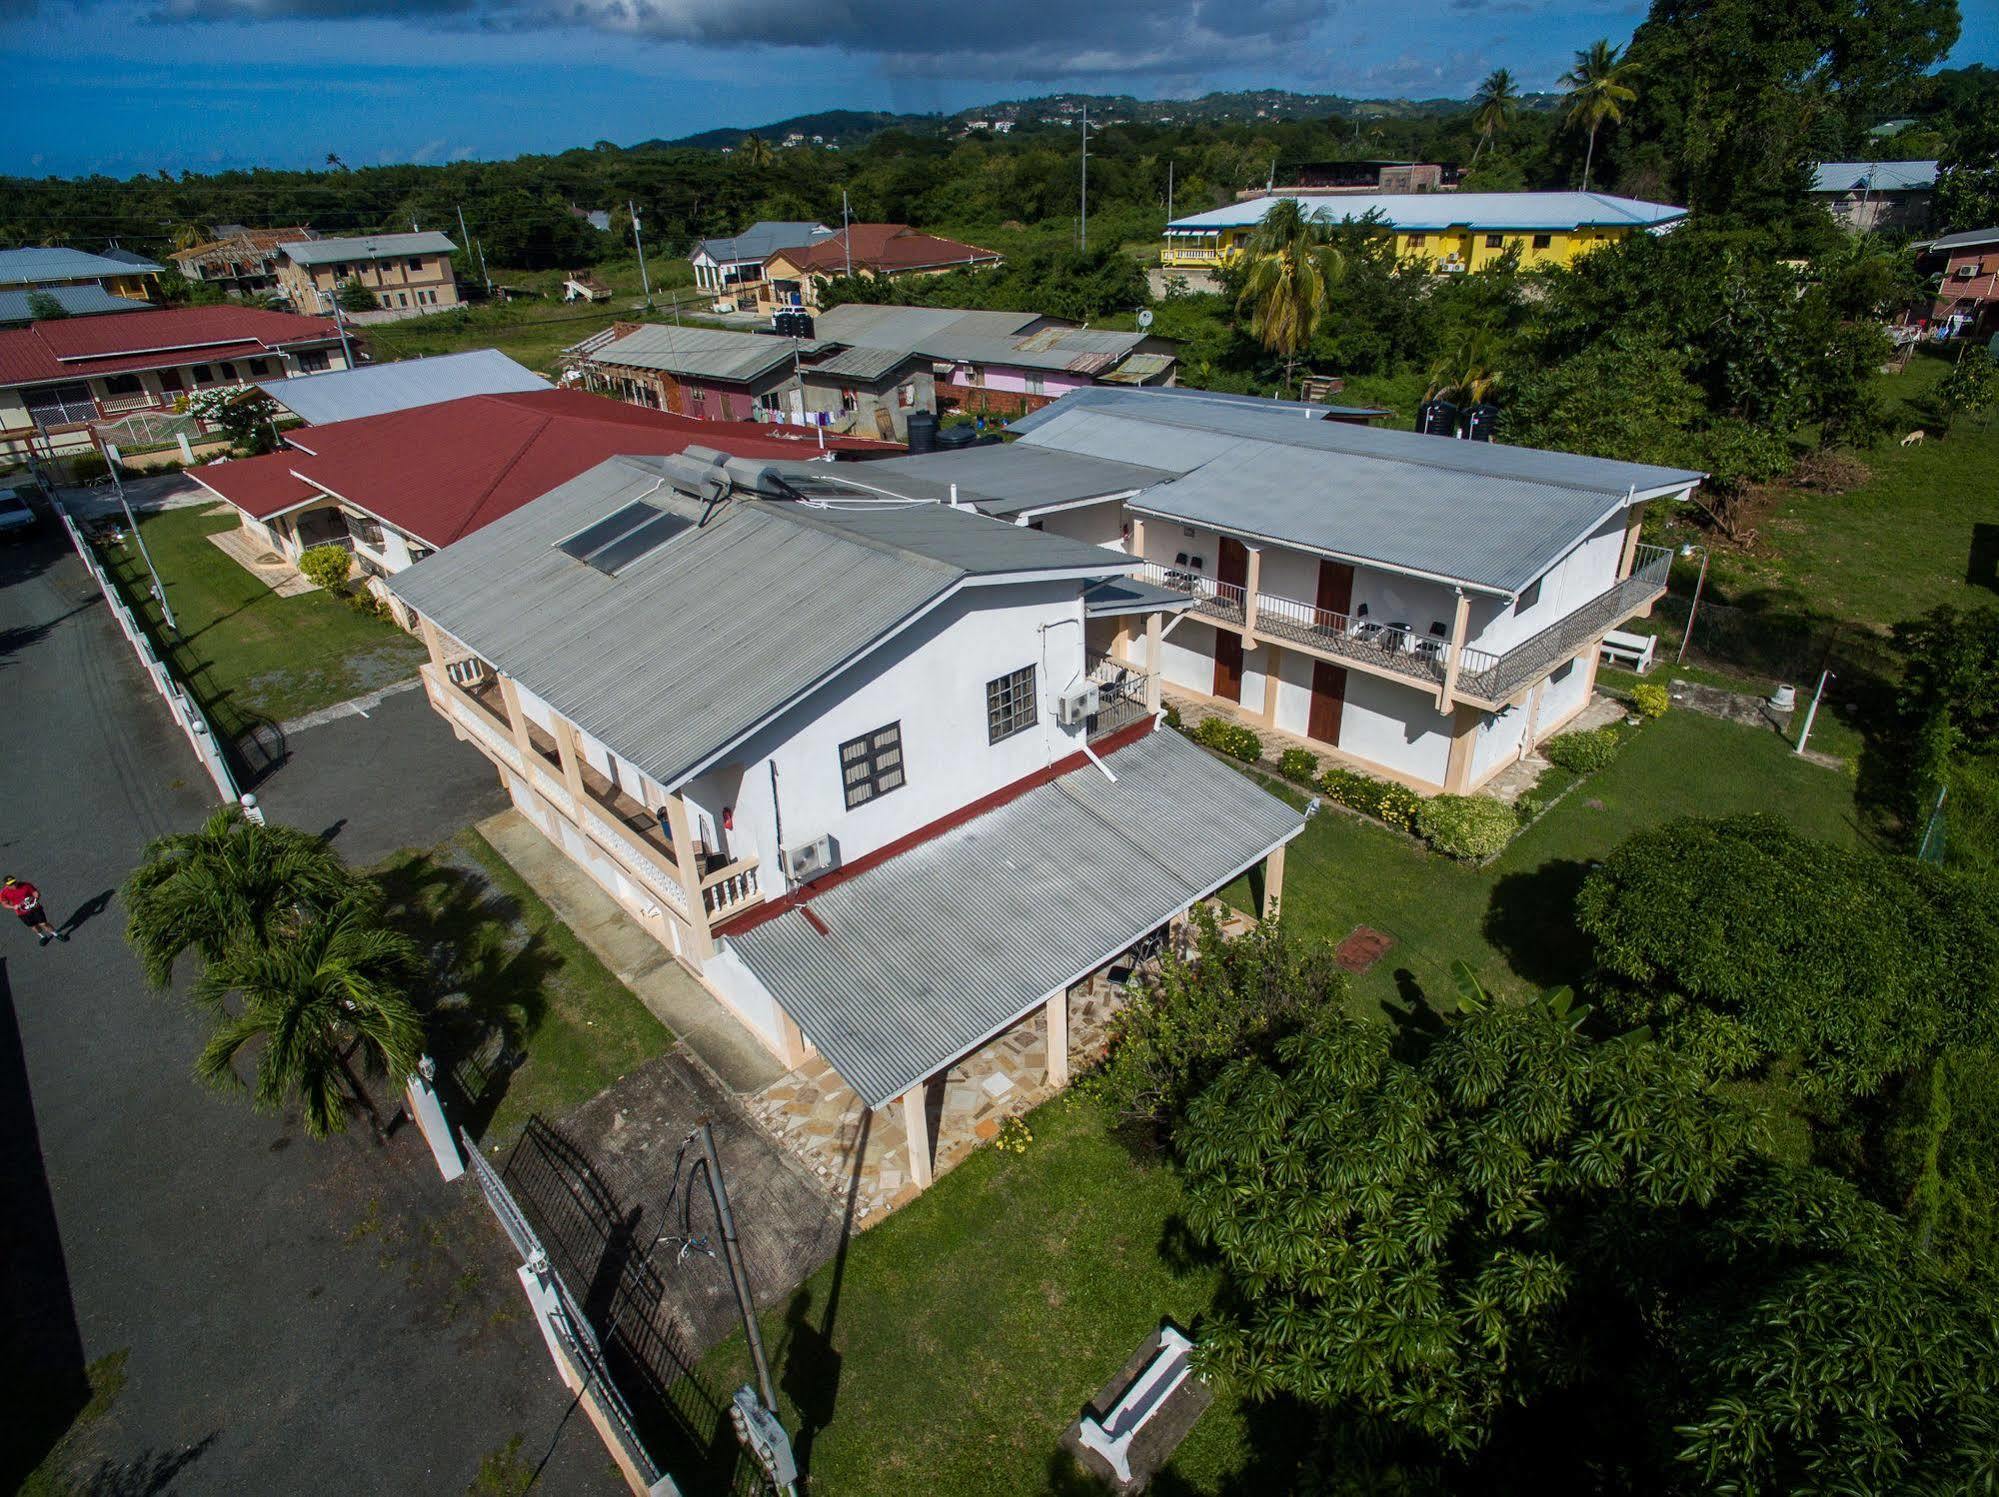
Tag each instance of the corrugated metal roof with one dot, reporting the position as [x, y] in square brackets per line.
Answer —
[1483, 514]
[368, 247]
[1873, 176]
[689, 648]
[1004, 480]
[1117, 597]
[77, 301]
[860, 363]
[1430, 211]
[702, 352]
[24, 267]
[760, 239]
[1966, 239]
[959, 336]
[375, 389]
[907, 327]
[929, 953]
[1139, 368]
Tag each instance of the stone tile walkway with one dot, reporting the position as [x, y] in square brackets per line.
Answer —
[1518, 777]
[865, 1155]
[260, 561]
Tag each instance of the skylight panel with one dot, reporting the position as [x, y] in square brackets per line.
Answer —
[627, 549]
[593, 538]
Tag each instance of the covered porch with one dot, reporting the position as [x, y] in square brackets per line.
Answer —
[962, 981]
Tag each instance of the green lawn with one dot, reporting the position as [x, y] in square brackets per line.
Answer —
[246, 653]
[972, 1325]
[1896, 546]
[515, 970]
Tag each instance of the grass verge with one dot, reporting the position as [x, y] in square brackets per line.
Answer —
[244, 652]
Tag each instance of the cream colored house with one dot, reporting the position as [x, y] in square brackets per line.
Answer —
[407, 272]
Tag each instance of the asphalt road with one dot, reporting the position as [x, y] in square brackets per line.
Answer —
[298, 1316]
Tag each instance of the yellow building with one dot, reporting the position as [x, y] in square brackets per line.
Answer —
[1451, 232]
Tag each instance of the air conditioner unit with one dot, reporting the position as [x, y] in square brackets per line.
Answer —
[1077, 704]
[808, 860]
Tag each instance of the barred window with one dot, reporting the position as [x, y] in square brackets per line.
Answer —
[1010, 704]
[871, 765]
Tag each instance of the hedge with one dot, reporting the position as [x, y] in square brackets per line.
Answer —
[325, 565]
[1395, 804]
[1583, 753]
[1225, 737]
[1298, 764]
[1650, 699]
[1472, 827]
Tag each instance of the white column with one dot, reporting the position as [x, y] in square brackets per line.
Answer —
[916, 1128]
[1058, 1039]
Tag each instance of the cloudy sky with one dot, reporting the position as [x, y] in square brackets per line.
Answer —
[123, 86]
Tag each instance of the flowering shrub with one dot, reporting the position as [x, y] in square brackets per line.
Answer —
[1298, 764]
[1583, 753]
[1395, 804]
[1650, 700]
[1472, 827]
[1014, 1136]
[325, 566]
[1225, 737]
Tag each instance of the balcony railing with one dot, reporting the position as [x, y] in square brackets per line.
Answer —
[1121, 694]
[727, 890]
[1393, 646]
[1533, 656]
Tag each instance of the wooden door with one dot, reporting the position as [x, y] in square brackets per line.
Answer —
[1232, 562]
[1228, 665]
[1335, 588]
[1329, 695]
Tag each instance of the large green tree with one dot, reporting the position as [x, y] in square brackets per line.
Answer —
[1599, 87]
[1290, 265]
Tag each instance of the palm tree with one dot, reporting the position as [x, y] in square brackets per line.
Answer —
[233, 880]
[187, 234]
[335, 988]
[1599, 86]
[1292, 267]
[1467, 370]
[757, 152]
[1493, 108]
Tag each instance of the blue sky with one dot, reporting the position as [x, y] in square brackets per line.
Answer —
[124, 86]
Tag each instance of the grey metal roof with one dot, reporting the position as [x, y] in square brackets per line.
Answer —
[367, 247]
[373, 389]
[1116, 597]
[1006, 480]
[666, 662]
[860, 363]
[24, 267]
[908, 327]
[961, 336]
[1265, 403]
[1428, 211]
[925, 956]
[762, 239]
[1966, 239]
[78, 301]
[1874, 176]
[702, 352]
[1481, 514]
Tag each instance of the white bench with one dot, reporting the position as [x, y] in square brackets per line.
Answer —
[1633, 650]
[1111, 1437]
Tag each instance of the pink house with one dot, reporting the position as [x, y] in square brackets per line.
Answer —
[1968, 289]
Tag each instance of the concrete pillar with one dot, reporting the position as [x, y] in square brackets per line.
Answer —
[687, 865]
[916, 1128]
[1154, 640]
[1138, 535]
[1252, 585]
[1273, 882]
[791, 1041]
[1460, 621]
[1273, 659]
[572, 764]
[432, 640]
[1058, 1038]
[1464, 735]
[1634, 517]
[516, 719]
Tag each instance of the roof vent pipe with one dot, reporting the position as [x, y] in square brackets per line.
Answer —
[954, 496]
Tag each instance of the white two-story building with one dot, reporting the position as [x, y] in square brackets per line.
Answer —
[852, 762]
[1423, 608]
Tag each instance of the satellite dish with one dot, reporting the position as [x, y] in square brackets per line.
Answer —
[1145, 319]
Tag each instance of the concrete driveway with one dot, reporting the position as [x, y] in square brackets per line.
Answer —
[296, 1316]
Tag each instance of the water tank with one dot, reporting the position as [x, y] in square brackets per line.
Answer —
[922, 431]
[1480, 420]
[802, 322]
[1437, 418]
[952, 438]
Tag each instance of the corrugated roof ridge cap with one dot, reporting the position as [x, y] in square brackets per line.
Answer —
[802, 515]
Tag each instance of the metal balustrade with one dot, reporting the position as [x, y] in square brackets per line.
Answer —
[1534, 656]
[1121, 694]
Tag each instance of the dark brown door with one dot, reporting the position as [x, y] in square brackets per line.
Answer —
[1232, 563]
[1329, 695]
[1335, 589]
[1228, 665]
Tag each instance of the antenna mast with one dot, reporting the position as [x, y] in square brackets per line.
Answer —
[1083, 217]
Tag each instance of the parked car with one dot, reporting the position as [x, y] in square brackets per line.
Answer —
[17, 519]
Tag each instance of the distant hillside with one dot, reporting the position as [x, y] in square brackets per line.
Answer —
[851, 127]
[841, 127]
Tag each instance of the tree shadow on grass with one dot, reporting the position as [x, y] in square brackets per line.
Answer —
[485, 984]
[1531, 921]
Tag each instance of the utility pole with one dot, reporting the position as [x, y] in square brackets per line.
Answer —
[847, 233]
[1686, 635]
[464, 237]
[1083, 216]
[1805, 733]
[485, 273]
[340, 322]
[159, 588]
[644, 278]
[1169, 189]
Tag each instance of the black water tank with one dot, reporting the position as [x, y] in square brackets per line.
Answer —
[1437, 418]
[802, 321]
[1480, 420]
[951, 438]
[922, 431]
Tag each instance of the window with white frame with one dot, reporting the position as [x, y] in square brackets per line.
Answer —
[1011, 706]
[871, 765]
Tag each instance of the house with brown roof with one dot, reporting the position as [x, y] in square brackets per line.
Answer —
[243, 262]
[892, 251]
[393, 488]
[60, 380]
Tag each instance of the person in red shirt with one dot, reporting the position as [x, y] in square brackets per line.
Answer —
[25, 900]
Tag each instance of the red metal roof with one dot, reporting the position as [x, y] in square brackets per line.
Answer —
[164, 337]
[882, 247]
[440, 472]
